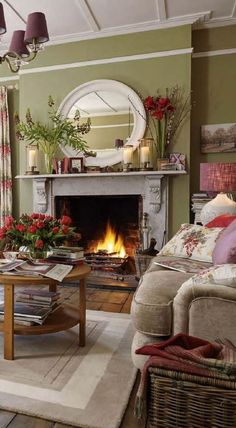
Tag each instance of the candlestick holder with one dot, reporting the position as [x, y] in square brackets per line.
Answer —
[32, 159]
[146, 154]
[127, 158]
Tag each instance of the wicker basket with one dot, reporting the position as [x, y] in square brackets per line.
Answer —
[182, 400]
[141, 263]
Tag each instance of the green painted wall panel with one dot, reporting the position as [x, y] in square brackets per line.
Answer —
[214, 94]
[214, 39]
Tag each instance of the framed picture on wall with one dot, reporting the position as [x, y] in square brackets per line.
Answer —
[218, 138]
[76, 165]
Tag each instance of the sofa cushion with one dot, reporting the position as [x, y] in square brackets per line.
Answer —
[225, 248]
[193, 241]
[223, 220]
[152, 303]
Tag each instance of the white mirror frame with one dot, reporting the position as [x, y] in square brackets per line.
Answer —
[107, 157]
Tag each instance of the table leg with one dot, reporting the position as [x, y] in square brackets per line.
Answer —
[9, 322]
[82, 312]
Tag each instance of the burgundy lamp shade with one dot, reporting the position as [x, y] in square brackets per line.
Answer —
[36, 28]
[218, 177]
[3, 27]
[18, 45]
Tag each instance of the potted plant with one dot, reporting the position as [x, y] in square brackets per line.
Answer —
[59, 131]
[37, 232]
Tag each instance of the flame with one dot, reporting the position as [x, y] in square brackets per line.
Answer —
[112, 243]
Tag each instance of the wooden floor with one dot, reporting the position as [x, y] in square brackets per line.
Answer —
[110, 301]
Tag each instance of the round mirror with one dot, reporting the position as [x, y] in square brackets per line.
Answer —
[116, 113]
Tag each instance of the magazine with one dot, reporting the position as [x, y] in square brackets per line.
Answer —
[30, 268]
[181, 264]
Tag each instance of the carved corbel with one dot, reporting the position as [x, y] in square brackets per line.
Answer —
[41, 203]
[154, 190]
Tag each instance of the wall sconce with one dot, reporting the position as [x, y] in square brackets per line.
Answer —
[32, 159]
[146, 154]
[127, 158]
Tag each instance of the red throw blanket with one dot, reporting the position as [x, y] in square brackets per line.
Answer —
[187, 354]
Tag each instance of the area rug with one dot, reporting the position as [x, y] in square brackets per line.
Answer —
[52, 378]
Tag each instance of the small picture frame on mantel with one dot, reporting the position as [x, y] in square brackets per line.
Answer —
[76, 165]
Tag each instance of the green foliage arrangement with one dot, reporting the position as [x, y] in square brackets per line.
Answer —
[59, 131]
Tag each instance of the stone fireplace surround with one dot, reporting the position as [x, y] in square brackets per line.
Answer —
[151, 185]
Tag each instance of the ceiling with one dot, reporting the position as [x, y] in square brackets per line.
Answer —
[71, 20]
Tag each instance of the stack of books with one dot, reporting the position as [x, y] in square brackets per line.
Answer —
[32, 306]
[67, 255]
[198, 201]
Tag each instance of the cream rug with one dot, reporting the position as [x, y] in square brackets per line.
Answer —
[53, 378]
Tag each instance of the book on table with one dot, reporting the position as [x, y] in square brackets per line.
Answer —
[28, 312]
[181, 264]
[73, 253]
[30, 268]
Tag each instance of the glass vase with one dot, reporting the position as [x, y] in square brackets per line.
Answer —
[48, 159]
[37, 254]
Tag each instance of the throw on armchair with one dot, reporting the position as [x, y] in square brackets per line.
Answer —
[170, 301]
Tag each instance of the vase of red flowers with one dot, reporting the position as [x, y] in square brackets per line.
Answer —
[165, 115]
[37, 232]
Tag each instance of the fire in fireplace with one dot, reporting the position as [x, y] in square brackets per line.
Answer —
[110, 229]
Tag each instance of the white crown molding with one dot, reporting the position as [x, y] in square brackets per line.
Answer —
[217, 22]
[214, 53]
[107, 61]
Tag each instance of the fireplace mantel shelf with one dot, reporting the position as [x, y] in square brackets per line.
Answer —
[102, 174]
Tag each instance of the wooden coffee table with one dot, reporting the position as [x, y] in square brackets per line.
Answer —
[63, 318]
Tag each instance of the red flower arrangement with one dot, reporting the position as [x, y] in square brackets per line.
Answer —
[37, 232]
[165, 115]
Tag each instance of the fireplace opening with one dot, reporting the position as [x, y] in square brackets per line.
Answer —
[110, 229]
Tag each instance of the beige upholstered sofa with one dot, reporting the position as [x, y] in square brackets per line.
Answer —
[167, 302]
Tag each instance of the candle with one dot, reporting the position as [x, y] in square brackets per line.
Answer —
[128, 155]
[32, 158]
[144, 154]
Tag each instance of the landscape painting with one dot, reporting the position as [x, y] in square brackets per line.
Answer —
[218, 138]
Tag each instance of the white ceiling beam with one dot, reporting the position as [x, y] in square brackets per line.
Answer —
[233, 14]
[88, 15]
[15, 11]
[161, 9]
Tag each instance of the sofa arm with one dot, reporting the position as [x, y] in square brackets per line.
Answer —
[205, 310]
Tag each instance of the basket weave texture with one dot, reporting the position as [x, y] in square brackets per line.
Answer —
[181, 400]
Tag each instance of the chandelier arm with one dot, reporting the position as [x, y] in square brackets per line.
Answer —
[32, 56]
[5, 57]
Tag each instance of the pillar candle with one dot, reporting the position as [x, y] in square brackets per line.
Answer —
[32, 158]
[127, 155]
[144, 154]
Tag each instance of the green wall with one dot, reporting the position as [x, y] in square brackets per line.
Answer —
[145, 76]
[213, 92]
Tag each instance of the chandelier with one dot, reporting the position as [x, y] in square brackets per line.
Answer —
[25, 45]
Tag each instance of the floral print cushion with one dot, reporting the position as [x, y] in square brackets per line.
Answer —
[192, 241]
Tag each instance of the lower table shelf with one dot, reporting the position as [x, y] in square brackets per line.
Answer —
[64, 317]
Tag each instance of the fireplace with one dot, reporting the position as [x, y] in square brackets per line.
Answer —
[142, 197]
[94, 215]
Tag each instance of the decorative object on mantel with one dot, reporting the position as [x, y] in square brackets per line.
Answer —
[76, 165]
[37, 232]
[127, 158]
[146, 154]
[165, 115]
[32, 159]
[50, 136]
[178, 160]
[25, 45]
